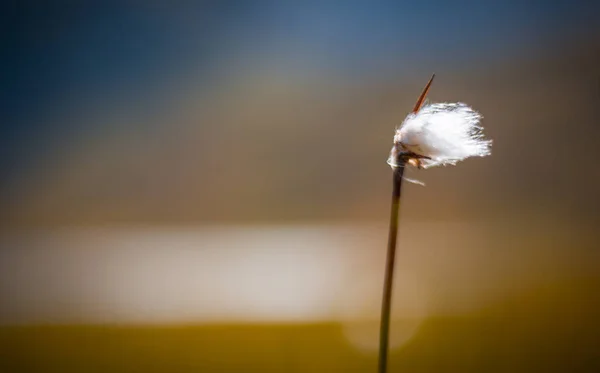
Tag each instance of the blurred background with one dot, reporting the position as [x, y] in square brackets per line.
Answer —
[203, 187]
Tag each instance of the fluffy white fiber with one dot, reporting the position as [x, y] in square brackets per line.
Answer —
[445, 133]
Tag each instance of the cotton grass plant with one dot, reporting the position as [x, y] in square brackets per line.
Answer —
[431, 135]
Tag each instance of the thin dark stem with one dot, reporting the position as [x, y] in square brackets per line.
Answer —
[386, 304]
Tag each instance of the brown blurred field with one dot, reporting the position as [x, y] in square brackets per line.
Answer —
[553, 328]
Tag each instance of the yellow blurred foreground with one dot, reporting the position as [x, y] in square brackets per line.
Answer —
[553, 328]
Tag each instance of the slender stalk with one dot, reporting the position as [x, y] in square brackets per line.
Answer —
[386, 304]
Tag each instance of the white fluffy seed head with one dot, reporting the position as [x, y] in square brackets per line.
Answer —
[442, 134]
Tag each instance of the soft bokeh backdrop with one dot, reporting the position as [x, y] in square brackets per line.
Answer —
[203, 187]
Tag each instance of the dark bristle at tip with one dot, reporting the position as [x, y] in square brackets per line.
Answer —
[421, 99]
